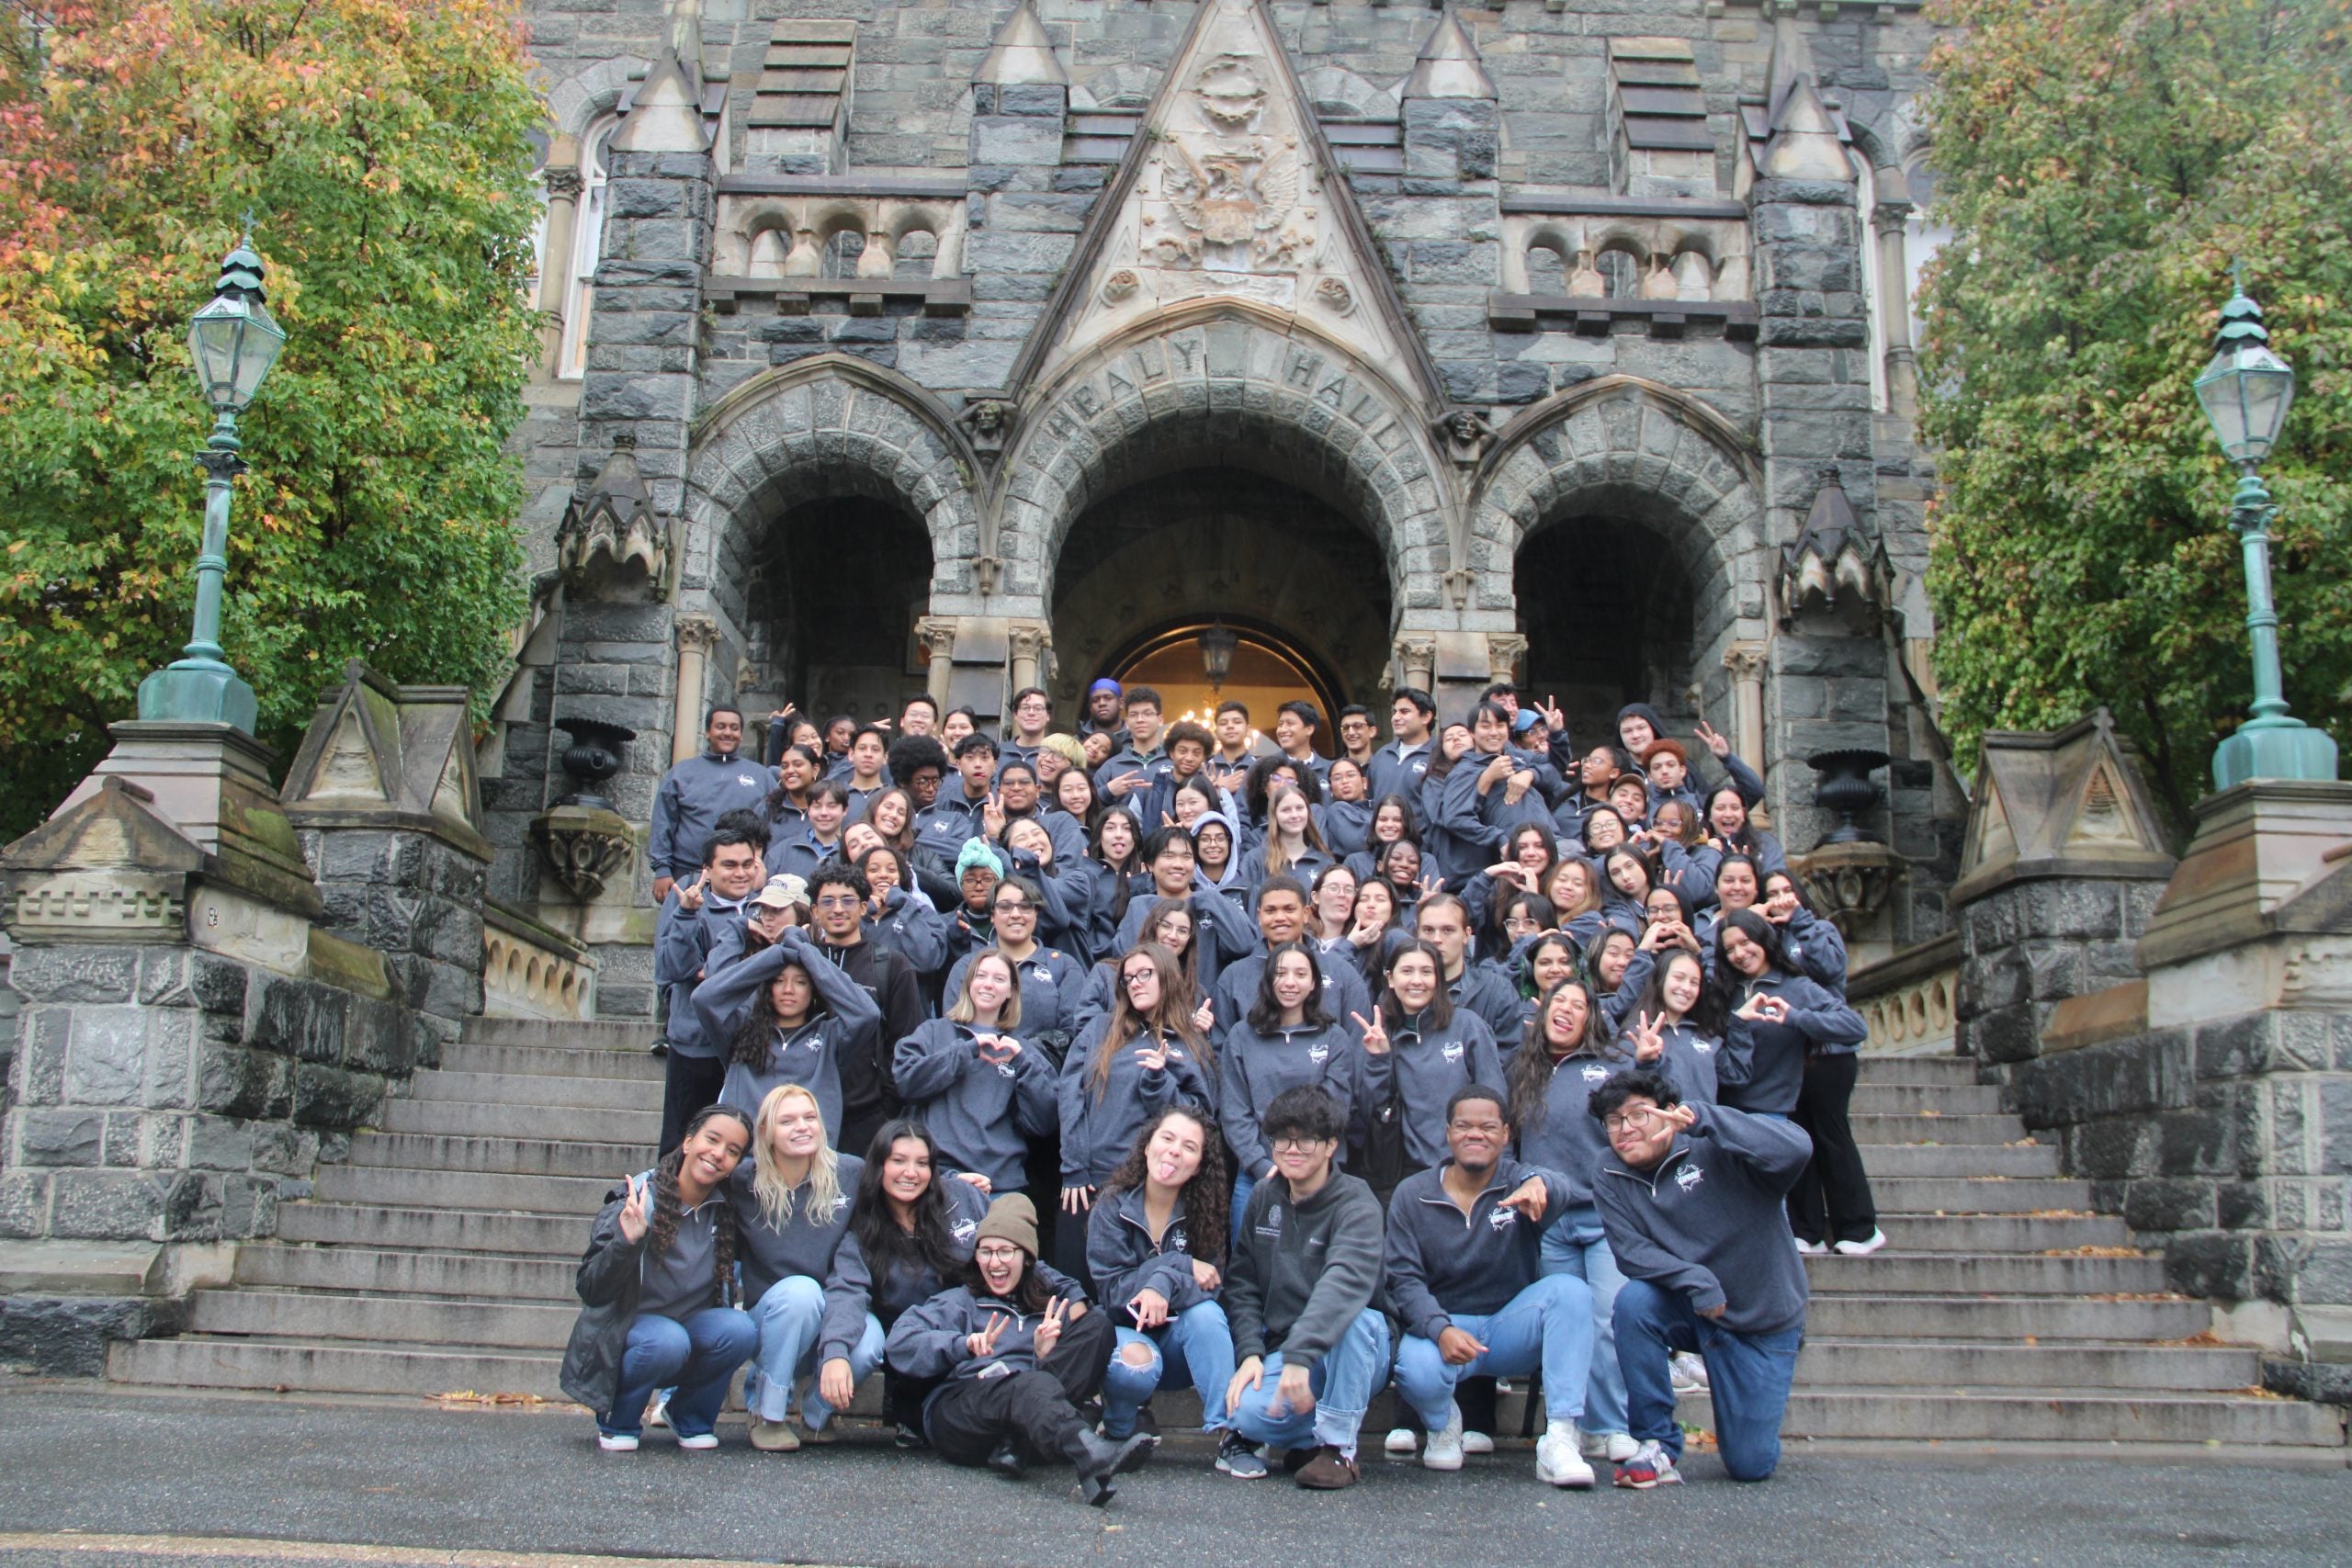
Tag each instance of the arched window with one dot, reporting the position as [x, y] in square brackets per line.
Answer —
[1876, 301]
[587, 246]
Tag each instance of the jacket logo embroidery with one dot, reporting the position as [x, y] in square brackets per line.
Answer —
[747, 781]
[1704, 1047]
[1689, 1176]
[1595, 1073]
[1453, 1052]
[1500, 1219]
[1318, 1053]
[1271, 1225]
[964, 1230]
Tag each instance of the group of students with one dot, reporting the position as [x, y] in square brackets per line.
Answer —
[1287, 1077]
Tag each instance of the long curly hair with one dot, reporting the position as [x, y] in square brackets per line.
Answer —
[1207, 1196]
[669, 1207]
[929, 1246]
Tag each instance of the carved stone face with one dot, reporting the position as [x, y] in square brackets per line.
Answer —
[1465, 428]
[988, 417]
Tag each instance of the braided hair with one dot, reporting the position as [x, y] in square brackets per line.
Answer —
[669, 1207]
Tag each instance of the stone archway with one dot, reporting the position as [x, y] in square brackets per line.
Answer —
[1227, 385]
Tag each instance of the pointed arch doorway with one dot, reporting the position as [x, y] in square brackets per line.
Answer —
[1264, 669]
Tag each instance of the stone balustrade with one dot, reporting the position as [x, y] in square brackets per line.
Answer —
[532, 971]
[784, 236]
[1907, 1000]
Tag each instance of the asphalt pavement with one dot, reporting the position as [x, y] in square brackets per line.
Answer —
[227, 1483]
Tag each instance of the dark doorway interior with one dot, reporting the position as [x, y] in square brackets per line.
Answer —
[1607, 613]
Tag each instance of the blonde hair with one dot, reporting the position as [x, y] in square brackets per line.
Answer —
[961, 1010]
[824, 1166]
[1311, 836]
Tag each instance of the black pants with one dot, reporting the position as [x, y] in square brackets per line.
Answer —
[688, 1083]
[1064, 1241]
[1038, 1411]
[1831, 1201]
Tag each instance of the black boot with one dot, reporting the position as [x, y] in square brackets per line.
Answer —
[1101, 1458]
[1006, 1462]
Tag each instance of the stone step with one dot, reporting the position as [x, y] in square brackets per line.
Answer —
[517, 1088]
[1991, 1364]
[435, 1229]
[1904, 1319]
[2053, 1415]
[554, 1061]
[1960, 1159]
[1938, 1070]
[616, 1034]
[331, 1367]
[511, 1156]
[1870, 1132]
[346, 1270]
[455, 1119]
[2006, 1274]
[468, 1325]
[1977, 1195]
[2002, 1233]
[1909, 1099]
[579, 1196]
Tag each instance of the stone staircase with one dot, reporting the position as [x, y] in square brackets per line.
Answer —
[439, 1261]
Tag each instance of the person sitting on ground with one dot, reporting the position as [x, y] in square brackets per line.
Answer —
[1465, 1272]
[1155, 1243]
[792, 1207]
[1014, 1359]
[657, 1292]
[1303, 1293]
[1692, 1197]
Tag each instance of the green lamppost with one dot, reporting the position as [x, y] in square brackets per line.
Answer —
[2245, 392]
[234, 343]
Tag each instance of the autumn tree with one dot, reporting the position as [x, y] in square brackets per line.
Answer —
[2101, 162]
[382, 150]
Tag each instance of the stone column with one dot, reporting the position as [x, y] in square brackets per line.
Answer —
[937, 634]
[1895, 309]
[1032, 641]
[562, 187]
[1504, 650]
[697, 637]
[1746, 661]
[1415, 661]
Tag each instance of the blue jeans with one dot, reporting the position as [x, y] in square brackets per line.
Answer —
[1548, 1324]
[788, 1317]
[1344, 1382]
[697, 1357]
[1242, 1187]
[1196, 1344]
[1576, 1246]
[1748, 1376]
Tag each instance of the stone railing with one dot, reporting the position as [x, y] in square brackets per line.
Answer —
[776, 237]
[1907, 1000]
[1691, 250]
[531, 971]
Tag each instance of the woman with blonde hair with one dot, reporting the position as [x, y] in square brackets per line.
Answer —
[792, 1205]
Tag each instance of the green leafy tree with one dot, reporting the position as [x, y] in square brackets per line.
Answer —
[2101, 162]
[382, 148]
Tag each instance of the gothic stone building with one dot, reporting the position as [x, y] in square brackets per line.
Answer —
[964, 345]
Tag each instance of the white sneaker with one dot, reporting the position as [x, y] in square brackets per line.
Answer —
[1864, 1249]
[700, 1440]
[658, 1413]
[1809, 1249]
[617, 1442]
[1443, 1450]
[1478, 1443]
[1400, 1440]
[1687, 1372]
[1557, 1462]
[1611, 1446]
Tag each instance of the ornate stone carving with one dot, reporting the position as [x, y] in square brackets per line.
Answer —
[986, 421]
[562, 183]
[1030, 639]
[936, 636]
[697, 633]
[1466, 434]
[1334, 295]
[1120, 286]
[583, 846]
[530, 971]
[1849, 882]
[1746, 661]
[1835, 567]
[613, 538]
[1504, 650]
[1415, 661]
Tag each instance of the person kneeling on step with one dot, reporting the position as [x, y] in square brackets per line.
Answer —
[1692, 1197]
[1016, 1359]
[1303, 1294]
[657, 1291]
[1465, 1273]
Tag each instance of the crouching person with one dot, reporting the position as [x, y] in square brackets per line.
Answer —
[1016, 1359]
[1155, 1244]
[1303, 1293]
[792, 1207]
[1692, 1197]
[657, 1292]
[1465, 1274]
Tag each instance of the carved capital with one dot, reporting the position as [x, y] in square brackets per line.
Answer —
[937, 636]
[697, 633]
[1030, 639]
[562, 183]
[1892, 214]
[1416, 659]
[1504, 650]
[1746, 661]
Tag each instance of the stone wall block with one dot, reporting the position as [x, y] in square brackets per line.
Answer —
[108, 1205]
[332, 1097]
[2211, 1263]
[2169, 1204]
[234, 1081]
[106, 1060]
[38, 1075]
[59, 1137]
[74, 974]
[297, 1018]
[187, 976]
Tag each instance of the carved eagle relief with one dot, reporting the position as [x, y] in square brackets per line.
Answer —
[1231, 192]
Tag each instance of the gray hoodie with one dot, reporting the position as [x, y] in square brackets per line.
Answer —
[1441, 1261]
[1302, 1272]
[804, 1244]
[694, 794]
[1708, 1220]
[842, 1024]
[980, 1110]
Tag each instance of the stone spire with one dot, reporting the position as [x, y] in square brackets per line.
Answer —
[1023, 56]
[1802, 142]
[666, 115]
[1450, 66]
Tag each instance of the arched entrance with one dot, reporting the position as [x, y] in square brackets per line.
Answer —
[829, 627]
[1607, 613]
[1265, 670]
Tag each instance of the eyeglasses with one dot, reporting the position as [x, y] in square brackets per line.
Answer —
[1137, 975]
[1624, 1121]
[997, 1255]
[1015, 907]
[840, 901]
[1298, 1145]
